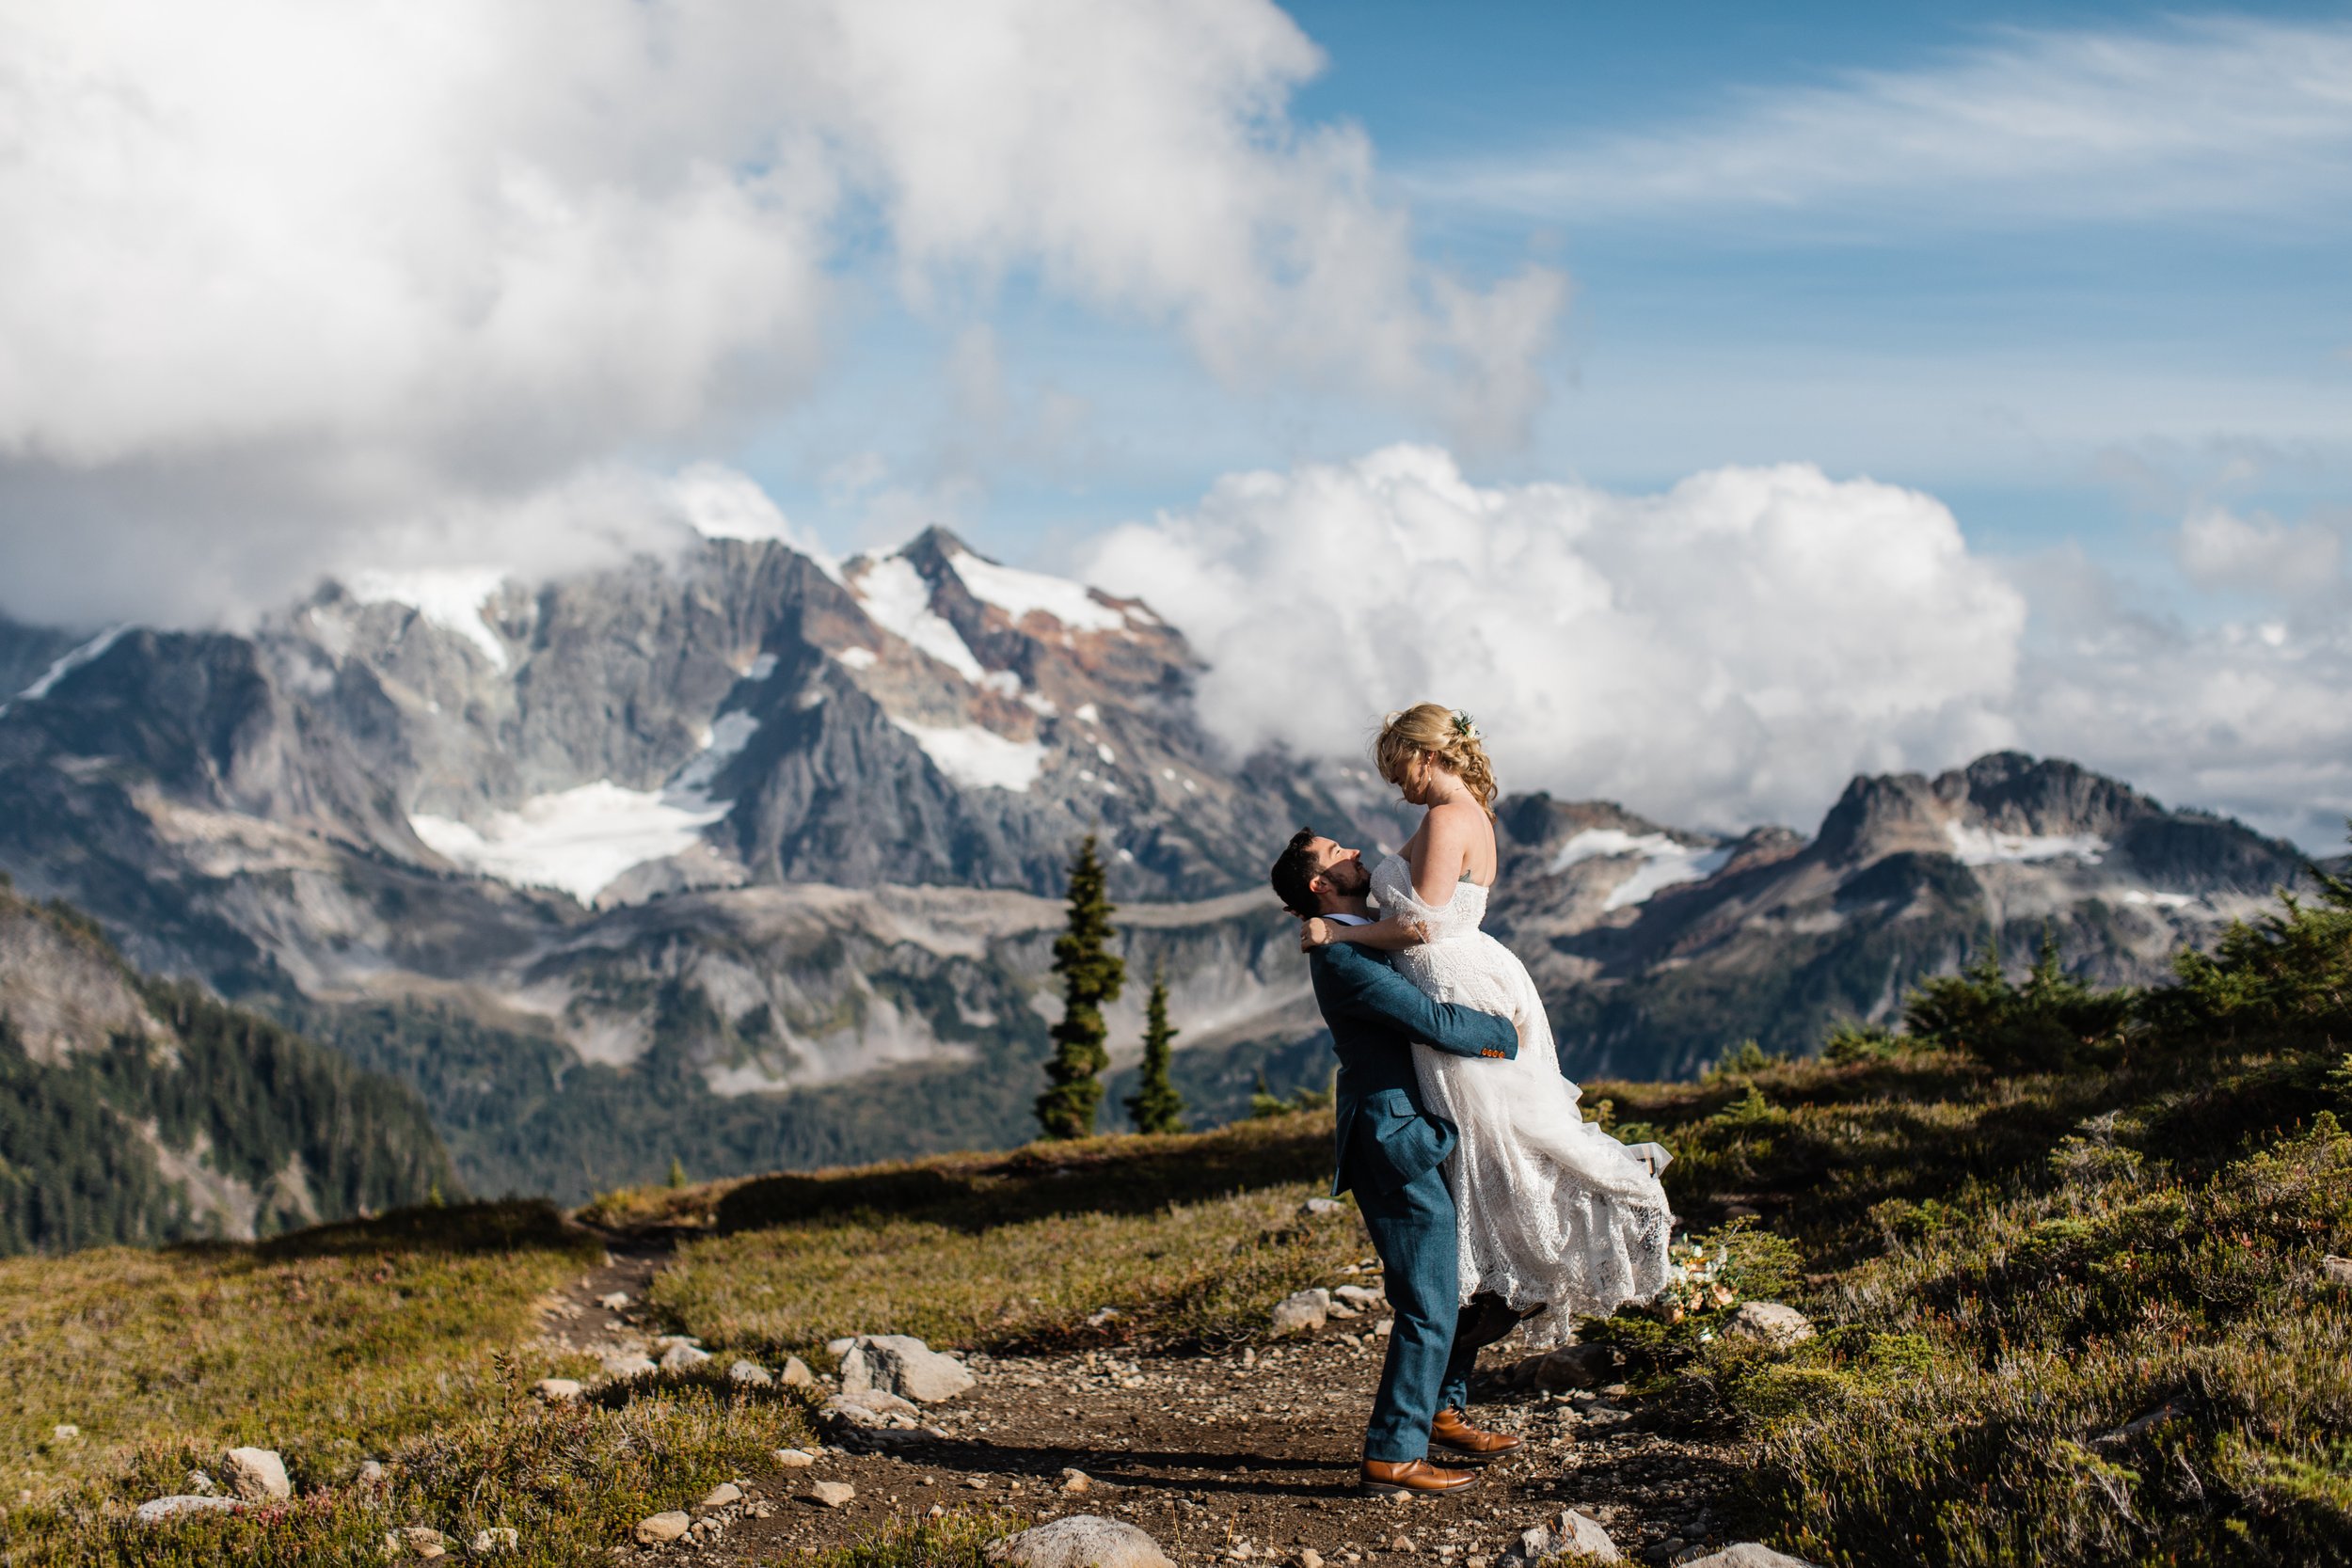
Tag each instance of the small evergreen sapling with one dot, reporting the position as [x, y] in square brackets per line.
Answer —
[1092, 974]
[1156, 1105]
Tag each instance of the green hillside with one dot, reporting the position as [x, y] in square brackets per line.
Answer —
[149, 1111]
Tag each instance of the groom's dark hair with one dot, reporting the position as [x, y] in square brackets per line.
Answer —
[1293, 871]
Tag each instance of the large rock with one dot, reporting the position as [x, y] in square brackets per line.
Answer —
[682, 1356]
[903, 1365]
[751, 1374]
[1747, 1554]
[796, 1373]
[1570, 1532]
[1569, 1367]
[1769, 1323]
[257, 1475]
[1080, 1540]
[155, 1512]
[1302, 1311]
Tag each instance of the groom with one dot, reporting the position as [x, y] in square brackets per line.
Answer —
[1390, 1150]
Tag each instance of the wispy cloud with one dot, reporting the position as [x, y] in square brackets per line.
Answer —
[2189, 117]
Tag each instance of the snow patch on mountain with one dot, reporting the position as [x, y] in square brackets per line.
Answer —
[1017, 593]
[1664, 861]
[449, 597]
[1984, 846]
[578, 840]
[895, 598]
[66, 664]
[979, 758]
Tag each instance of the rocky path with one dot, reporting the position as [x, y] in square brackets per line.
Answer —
[602, 1312]
[1237, 1457]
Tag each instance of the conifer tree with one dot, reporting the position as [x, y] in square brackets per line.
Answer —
[1155, 1104]
[1092, 974]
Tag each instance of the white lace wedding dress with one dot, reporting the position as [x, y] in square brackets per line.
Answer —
[1551, 1208]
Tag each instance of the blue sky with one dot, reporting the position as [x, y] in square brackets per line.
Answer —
[2053, 371]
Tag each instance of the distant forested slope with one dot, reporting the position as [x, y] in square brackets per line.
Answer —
[141, 1111]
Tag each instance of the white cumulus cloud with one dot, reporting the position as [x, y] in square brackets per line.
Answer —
[1729, 651]
[280, 277]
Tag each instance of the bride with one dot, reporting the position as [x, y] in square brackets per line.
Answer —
[1554, 1212]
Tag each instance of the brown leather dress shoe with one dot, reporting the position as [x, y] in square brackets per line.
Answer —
[1465, 1444]
[1384, 1478]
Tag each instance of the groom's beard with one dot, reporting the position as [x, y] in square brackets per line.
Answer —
[1349, 878]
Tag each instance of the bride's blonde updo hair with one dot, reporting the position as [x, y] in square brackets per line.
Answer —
[1444, 733]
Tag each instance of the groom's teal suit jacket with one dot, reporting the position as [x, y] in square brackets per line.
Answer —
[1387, 1137]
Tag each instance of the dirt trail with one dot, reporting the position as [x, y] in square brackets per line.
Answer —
[1239, 1457]
[576, 1316]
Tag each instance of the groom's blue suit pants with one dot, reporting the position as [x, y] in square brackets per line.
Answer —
[1427, 1369]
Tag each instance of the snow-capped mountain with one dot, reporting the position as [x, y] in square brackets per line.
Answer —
[602, 865]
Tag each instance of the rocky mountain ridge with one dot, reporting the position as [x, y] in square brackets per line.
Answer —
[751, 858]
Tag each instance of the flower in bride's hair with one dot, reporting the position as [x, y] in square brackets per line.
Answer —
[1463, 725]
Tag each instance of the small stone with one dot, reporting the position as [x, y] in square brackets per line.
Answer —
[977, 1484]
[796, 1373]
[613, 1301]
[257, 1475]
[871, 1408]
[155, 1512]
[202, 1484]
[682, 1356]
[1302, 1311]
[1360, 1296]
[1384, 1327]
[556, 1390]
[831, 1493]
[1077, 1481]
[1314, 1208]
[1768, 1323]
[424, 1540]
[661, 1528]
[1102, 1317]
[719, 1496]
[64, 1432]
[498, 1538]
[370, 1473]
[1080, 1540]
[794, 1459]
[627, 1364]
[1310, 1557]
[751, 1374]
[1401, 1543]
[2338, 1270]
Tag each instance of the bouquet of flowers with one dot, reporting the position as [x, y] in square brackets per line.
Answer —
[1693, 1285]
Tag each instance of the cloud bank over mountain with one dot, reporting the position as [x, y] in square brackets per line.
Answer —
[1731, 650]
[282, 279]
